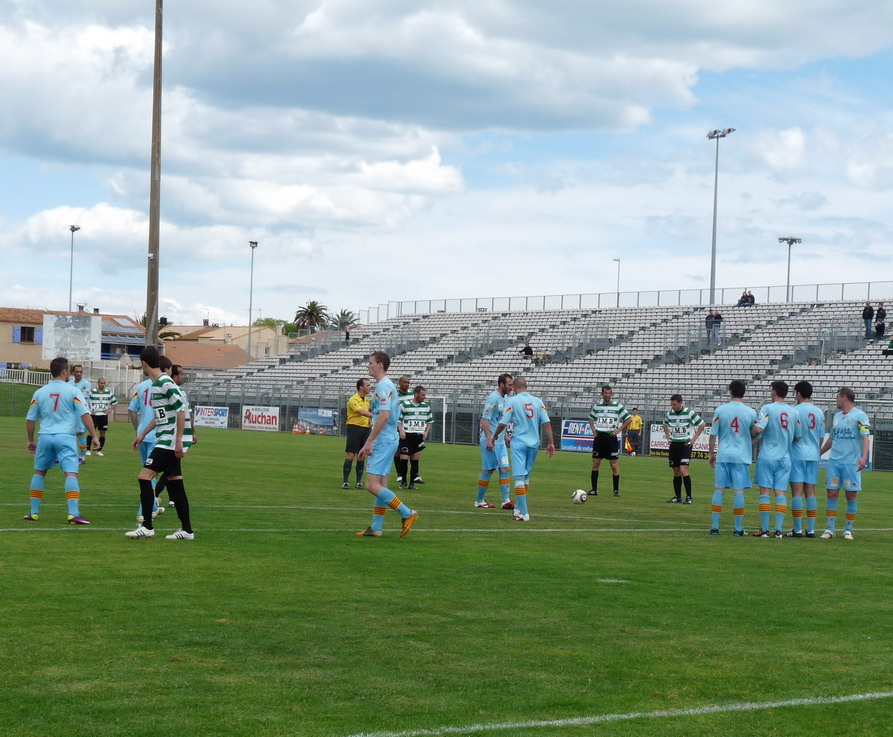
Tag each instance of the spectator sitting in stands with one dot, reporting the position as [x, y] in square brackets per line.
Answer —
[526, 351]
[751, 300]
[742, 300]
[889, 350]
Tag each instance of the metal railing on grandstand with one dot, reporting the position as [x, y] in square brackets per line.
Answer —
[882, 290]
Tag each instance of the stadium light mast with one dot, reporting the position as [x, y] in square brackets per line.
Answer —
[154, 189]
[252, 245]
[74, 229]
[790, 242]
[711, 135]
[618, 280]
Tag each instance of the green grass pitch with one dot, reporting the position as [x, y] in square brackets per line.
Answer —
[616, 617]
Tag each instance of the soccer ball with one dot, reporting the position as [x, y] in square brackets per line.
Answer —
[579, 496]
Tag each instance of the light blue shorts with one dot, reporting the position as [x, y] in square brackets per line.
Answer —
[773, 474]
[523, 458]
[382, 458]
[804, 472]
[61, 446]
[732, 476]
[496, 458]
[843, 474]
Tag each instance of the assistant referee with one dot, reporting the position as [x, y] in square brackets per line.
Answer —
[359, 423]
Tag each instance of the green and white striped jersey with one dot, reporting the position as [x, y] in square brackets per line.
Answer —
[102, 401]
[682, 425]
[415, 417]
[167, 402]
[608, 417]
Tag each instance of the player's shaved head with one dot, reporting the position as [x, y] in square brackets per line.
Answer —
[520, 384]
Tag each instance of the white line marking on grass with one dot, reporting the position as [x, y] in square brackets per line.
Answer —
[607, 718]
[611, 580]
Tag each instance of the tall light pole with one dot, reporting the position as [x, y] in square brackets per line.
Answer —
[618, 281]
[252, 245]
[790, 242]
[74, 229]
[711, 135]
[154, 265]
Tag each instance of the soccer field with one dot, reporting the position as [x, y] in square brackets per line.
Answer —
[621, 616]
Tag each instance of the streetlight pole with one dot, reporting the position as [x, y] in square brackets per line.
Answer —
[711, 135]
[74, 229]
[790, 242]
[252, 245]
[618, 281]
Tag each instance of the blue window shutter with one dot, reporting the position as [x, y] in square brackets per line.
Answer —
[38, 336]
[16, 333]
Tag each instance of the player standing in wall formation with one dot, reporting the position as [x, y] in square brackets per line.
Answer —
[777, 428]
[849, 443]
[528, 413]
[83, 386]
[682, 428]
[400, 464]
[381, 447]
[178, 374]
[494, 452]
[634, 433]
[732, 425]
[414, 427]
[805, 460]
[101, 401]
[359, 421]
[608, 419]
[142, 415]
[60, 409]
[173, 436]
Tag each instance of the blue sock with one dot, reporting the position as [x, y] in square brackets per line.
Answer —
[387, 498]
[716, 508]
[797, 513]
[72, 494]
[37, 486]
[852, 508]
[831, 513]
[738, 504]
[521, 495]
[812, 505]
[764, 512]
[781, 508]
[483, 484]
[505, 484]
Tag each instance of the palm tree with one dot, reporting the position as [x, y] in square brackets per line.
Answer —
[344, 320]
[313, 316]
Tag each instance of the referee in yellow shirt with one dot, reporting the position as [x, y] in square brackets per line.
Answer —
[359, 424]
[634, 431]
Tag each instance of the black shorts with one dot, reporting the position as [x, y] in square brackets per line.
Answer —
[356, 438]
[606, 445]
[100, 422]
[680, 454]
[163, 460]
[413, 443]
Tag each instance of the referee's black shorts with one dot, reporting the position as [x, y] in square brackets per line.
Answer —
[356, 438]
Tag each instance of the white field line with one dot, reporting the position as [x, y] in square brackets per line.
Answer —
[608, 718]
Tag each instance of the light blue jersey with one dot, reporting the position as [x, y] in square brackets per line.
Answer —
[731, 427]
[141, 403]
[494, 408]
[812, 427]
[528, 413]
[780, 426]
[58, 407]
[847, 431]
[384, 399]
[85, 389]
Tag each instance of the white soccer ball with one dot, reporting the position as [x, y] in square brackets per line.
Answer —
[579, 496]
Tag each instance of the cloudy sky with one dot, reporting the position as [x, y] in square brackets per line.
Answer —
[383, 150]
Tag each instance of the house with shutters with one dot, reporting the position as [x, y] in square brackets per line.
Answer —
[21, 337]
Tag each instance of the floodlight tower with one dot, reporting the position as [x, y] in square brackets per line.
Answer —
[715, 135]
[618, 280]
[74, 229]
[790, 242]
[252, 245]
